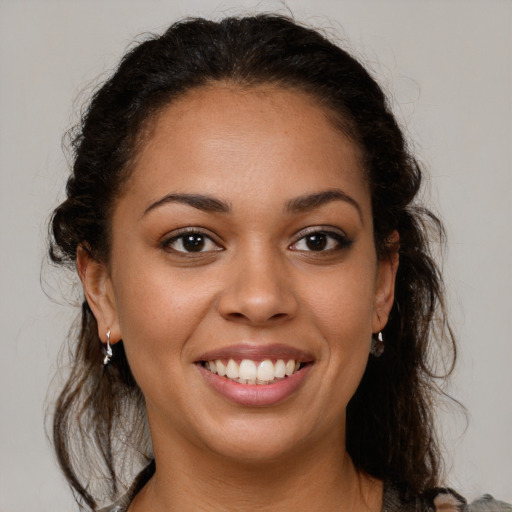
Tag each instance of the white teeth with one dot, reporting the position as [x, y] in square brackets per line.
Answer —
[245, 381]
[280, 369]
[249, 372]
[266, 371]
[232, 370]
[221, 369]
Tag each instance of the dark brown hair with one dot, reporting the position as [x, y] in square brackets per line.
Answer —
[99, 421]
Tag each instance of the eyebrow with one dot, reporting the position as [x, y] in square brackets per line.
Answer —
[301, 204]
[308, 202]
[199, 201]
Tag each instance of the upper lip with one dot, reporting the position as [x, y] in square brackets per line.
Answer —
[257, 352]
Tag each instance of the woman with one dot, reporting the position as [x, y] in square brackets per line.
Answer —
[259, 289]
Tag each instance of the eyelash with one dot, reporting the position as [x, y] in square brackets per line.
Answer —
[181, 236]
[341, 241]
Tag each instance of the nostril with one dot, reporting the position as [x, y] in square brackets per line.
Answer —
[256, 300]
[278, 316]
[241, 316]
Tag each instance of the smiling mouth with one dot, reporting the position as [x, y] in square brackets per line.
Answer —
[251, 372]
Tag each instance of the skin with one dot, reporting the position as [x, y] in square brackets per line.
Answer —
[258, 281]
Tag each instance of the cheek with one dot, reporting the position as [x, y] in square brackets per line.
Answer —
[158, 310]
[342, 306]
[343, 303]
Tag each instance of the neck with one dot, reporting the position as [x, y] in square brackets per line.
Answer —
[321, 477]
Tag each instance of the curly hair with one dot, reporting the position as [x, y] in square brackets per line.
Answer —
[390, 423]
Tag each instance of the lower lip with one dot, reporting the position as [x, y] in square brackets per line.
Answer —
[255, 395]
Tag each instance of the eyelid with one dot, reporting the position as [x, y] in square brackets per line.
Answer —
[320, 229]
[338, 234]
[169, 238]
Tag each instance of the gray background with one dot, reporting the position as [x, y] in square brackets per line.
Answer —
[448, 68]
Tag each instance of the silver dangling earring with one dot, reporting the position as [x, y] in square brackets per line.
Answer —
[377, 345]
[108, 354]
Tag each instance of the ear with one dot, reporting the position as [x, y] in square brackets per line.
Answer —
[385, 284]
[99, 293]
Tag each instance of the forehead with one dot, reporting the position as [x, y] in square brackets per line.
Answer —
[222, 138]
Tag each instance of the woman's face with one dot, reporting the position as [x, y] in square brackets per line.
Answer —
[244, 234]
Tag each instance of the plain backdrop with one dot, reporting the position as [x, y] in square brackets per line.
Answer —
[447, 65]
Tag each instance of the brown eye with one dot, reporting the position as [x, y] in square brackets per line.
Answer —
[191, 242]
[321, 241]
[316, 242]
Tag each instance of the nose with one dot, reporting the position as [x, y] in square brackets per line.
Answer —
[258, 291]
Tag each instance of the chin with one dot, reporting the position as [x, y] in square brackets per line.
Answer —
[259, 440]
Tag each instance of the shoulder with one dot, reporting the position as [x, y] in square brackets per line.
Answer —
[440, 500]
[448, 500]
[488, 504]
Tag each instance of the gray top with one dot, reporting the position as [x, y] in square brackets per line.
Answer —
[445, 500]
[440, 500]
